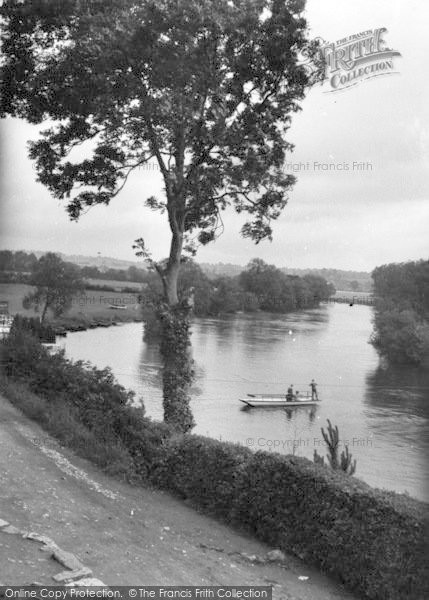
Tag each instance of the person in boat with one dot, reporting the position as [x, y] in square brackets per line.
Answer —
[297, 396]
[289, 395]
[313, 387]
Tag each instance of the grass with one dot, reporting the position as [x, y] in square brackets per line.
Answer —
[93, 306]
[113, 283]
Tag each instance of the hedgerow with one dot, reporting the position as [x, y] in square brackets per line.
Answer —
[372, 541]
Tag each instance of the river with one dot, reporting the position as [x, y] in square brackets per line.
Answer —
[381, 413]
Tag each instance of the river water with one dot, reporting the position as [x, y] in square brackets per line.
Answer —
[381, 413]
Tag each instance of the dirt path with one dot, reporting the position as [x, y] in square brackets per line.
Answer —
[126, 535]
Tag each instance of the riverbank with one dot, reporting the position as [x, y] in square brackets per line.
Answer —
[70, 324]
[93, 309]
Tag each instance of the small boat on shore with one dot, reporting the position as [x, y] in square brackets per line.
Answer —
[277, 400]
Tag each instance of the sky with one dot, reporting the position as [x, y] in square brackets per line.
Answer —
[370, 208]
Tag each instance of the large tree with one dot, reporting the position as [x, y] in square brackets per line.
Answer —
[206, 88]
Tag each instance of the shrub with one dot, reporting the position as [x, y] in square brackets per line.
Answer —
[63, 423]
[92, 400]
[332, 441]
[399, 335]
[204, 471]
[145, 440]
[42, 331]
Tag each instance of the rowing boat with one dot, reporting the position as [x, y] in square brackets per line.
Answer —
[277, 400]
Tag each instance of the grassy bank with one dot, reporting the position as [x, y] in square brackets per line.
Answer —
[372, 541]
[93, 309]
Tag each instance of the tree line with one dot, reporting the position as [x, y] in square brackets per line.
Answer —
[259, 287]
[15, 265]
[401, 321]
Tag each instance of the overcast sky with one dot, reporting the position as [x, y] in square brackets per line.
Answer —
[345, 218]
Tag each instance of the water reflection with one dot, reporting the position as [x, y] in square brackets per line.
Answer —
[397, 409]
[149, 365]
[401, 389]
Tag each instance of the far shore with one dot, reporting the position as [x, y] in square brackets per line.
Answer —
[102, 308]
[95, 308]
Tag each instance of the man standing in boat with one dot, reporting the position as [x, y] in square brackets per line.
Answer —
[313, 386]
[289, 395]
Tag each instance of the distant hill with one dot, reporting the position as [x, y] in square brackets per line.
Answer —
[221, 269]
[353, 281]
[101, 262]
[357, 281]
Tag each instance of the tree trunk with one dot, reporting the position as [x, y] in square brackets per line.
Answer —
[177, 373]
[45, 309]
[174, 317]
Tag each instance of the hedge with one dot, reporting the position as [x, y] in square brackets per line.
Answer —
[372, 541]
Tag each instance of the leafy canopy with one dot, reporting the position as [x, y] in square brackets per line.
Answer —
[56, 284]
[204, 87]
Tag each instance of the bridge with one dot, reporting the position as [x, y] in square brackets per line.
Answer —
[367, 300]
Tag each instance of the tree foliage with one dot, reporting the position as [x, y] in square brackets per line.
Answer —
[404, 285]
[259, 287]
[401, 328]
[277, 292]
[56, 283]
[14, 263]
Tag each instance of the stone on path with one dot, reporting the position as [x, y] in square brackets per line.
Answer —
[67, 576]
[67, 559]
[252, 558]
[86, 582]
[11, 530]
[49, 547]
[276, 555]
[37, 537]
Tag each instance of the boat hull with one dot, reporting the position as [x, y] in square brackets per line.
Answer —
[275, 400]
